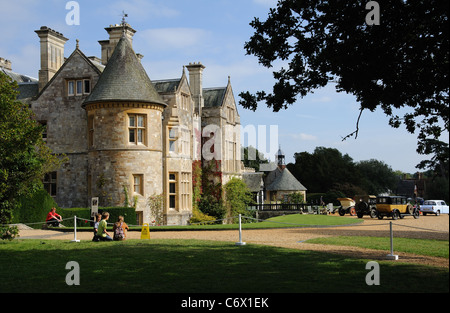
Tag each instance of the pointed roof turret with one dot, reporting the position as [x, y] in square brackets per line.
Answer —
[124, 79]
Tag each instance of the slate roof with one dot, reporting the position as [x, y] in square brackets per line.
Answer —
[167, 85]
[213, 97]
[253, 181]
[124, 79]
[283, 180]
[19, 78]
[27, 91]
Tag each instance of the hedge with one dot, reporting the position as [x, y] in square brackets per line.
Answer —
[34, 209]
[128, 213]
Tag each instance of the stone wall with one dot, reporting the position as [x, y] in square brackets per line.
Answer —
[66, 122]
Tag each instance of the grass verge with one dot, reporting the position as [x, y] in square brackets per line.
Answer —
[285, 221]
[428, 247]
[194, 266]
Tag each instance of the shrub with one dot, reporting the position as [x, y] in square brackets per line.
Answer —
[213, 207]
[34, 208]
[8, 232]
[237, 197]
[200, 218]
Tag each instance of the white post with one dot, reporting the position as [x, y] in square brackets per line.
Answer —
[240, 243]
[391, 256]
[75, 230]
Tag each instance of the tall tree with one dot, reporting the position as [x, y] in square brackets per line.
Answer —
[24, 156]
[401, 63]
[376, 177]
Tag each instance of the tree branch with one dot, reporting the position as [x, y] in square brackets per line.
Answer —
[357, 127]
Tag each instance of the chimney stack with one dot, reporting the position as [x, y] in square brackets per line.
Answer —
[196, 83]
[52, 53]
[115, 33]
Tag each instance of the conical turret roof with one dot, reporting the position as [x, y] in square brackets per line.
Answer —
[124, 79]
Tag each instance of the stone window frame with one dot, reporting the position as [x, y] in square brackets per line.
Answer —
[185, 190]
[172, 191]
[138, 184]
[172, 135]
[137, 129]
[50, 182]
[72, 87]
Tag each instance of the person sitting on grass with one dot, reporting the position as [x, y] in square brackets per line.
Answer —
[53, 218]
[98, 217]
[101, 232]
[120, 229]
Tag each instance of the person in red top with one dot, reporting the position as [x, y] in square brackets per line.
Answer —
[53, 218]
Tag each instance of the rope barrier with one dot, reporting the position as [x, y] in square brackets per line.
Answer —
[248, 218]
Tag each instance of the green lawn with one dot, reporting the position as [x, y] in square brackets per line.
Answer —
[437, 248]
[286, 221]
[192, 266]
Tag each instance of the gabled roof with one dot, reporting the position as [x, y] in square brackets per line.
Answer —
[214, 97]
[77, 51]
[167, 85]
[19, 78]
[283, 180]
[124, 79]
[253, 181]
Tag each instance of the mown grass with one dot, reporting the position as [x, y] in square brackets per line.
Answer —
[285, 221]
[194, 266]
[428, 247]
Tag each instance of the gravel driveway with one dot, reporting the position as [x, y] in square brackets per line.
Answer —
[426, 227]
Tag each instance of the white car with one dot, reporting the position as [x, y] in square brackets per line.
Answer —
[434, 207]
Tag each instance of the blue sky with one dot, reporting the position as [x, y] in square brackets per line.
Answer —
[173, 33]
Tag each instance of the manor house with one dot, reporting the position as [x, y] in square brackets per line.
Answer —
[125, 136]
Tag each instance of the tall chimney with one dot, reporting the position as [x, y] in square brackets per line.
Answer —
[52, 53]
[196, 83]
[115, 33]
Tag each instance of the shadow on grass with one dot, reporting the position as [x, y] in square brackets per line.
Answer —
[192, 266]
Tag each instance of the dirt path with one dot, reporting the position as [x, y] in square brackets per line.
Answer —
[426, 227]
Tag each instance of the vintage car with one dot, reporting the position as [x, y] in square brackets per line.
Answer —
[366, 205]
[434, 207]
[395, 207]
[347, 206]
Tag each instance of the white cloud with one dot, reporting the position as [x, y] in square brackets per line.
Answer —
[303, 137]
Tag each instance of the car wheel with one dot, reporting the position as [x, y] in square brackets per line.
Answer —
[395, 214]
[373, 213]
[410, 209]
[424, 214]
[341, 212]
